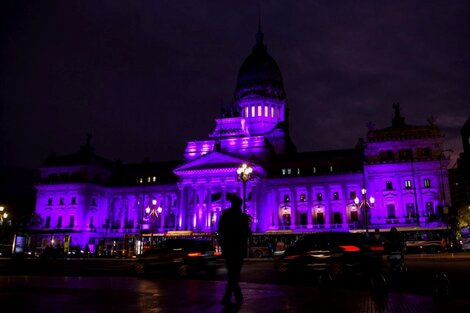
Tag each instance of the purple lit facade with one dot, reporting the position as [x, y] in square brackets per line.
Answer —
[402, 167]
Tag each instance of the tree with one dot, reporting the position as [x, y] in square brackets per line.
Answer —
[463, 216]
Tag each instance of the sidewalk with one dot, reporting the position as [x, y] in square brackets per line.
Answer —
[126, 294]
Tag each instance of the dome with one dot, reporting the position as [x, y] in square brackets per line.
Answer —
[259, 74]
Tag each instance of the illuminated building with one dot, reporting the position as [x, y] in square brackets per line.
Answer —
[401, 167]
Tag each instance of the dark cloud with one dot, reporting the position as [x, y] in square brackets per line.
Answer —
[147, 76]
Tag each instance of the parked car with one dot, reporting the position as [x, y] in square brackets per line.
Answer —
[334, 254]
[180, 256]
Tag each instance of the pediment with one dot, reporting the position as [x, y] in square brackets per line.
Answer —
[214, 161]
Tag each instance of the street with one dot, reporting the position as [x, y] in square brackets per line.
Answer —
[108, 285]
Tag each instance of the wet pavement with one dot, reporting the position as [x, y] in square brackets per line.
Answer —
[132, 294]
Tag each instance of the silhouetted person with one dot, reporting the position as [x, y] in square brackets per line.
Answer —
[234, 231]
[395, 242]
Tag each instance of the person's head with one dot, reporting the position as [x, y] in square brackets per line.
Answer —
[236, 202]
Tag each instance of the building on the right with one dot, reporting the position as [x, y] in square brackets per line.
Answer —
[460, 180]
[405, 168]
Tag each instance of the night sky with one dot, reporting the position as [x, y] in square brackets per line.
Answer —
[145, 77]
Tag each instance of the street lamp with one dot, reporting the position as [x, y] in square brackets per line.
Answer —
[3, 214]
[151, 215]
[365, 206]
[244, 174]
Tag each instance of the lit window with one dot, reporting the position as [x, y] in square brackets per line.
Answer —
[266, 111]
[408, 184]
[260, 112]
[335, 196]
[148, 179]
[246, 111]
[314, 170]
[298, 171]
[154, 178]
[289, 171]
[272, 111]
[427, 183]
[141, 180]
[253, 111]
[331, 168]
[302, 197]
[283, 171]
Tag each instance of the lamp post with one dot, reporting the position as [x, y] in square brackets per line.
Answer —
[244, 174]
[3, 214]
[151, 214]
[365, 206]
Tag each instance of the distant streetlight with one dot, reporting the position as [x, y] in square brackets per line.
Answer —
[244, 174]
[365, 206]
[3, 214]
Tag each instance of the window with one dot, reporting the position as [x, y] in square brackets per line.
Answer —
[283, 171]
[49, 201]
[335, 196]
[410, 210]
[336, 218]
[298, 171]
[429, 208]
[390, 155]
[388, 185]
[48, 222]
[427, 152]
[154, 179]
[246, 111]
[331, 169]
[148, 179]
[289, 171]
[319, 196]
[407, 184]
[302, 197]
[260, 108]
[71, 221]
[352, 195]
[59, 222]
[278, 113]
[93, 201]
[91, 222]
[253, 111]
[314, 170]
[61, 201]
[427, 183]
[266, 112]
[391, 210]
[272, 111]
[74, 200]
[286, 198]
